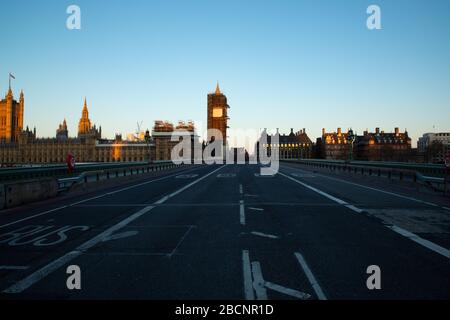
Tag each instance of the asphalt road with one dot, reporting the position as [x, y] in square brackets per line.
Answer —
[225, 232]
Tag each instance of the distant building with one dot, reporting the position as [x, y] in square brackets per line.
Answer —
[218, 114]
[23, 147]
[382, 146]
[85, 128]
[371, 146]
[62, 133]
[11, 117]
[292, 146]
[434, 146]
[162, 137]
[333, 145]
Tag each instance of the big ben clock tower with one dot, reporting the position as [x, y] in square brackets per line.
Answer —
[217, 114]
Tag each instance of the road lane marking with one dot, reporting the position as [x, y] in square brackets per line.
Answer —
[382, 191]
[256, 209]
[258, 281]
[187, 176]
[180, 242]
[13, 267]
[122, 235]
[93, 198]
[242, 212]
[352, 207]
[264, 235]
[241, 189]
[329, 196]
[226, 175]
[248, 282]
[428, 244]
[58, 263]
[312, 280]
[287, 291]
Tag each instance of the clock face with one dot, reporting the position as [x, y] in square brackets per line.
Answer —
[217, 113]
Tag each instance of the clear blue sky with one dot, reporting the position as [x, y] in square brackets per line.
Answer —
[301, 64]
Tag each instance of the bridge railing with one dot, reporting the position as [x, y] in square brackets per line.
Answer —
[425, 174]
[111, 173]
[60, 170]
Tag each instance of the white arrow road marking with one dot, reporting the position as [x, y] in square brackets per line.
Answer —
[260, 234]
[241, 189]
[287, 291]
[122, 235]
[312, 280]
[258, 282]
[248, 286]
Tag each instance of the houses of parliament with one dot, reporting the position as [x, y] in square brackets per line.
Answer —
[22, 146]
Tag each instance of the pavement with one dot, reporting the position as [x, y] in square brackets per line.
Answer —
[226, 232]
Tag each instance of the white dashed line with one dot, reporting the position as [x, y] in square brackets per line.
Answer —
[256, 209]
[242, 212]
[13, 267]
[264, 235]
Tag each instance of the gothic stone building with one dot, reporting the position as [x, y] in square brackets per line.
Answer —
[19, 146]
[218, 114]
[11, 117]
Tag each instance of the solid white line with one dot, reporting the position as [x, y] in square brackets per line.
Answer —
[428, 244]
[242, 212]
[58, 263]
[352, 207]
[248, 286]
[258, 281]
[287, 291]
[383, 191]
[312, 280]
[315, 190]
[93, 198]
[265, 235]
[256, 209]
[13, 267]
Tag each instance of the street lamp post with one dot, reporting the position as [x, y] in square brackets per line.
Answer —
[147, 141]
[350, 139]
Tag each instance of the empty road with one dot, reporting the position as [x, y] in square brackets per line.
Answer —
[225, 232]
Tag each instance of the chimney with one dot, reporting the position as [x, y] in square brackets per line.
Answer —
[323, 132]
[339, 131]
[304, 130]
[397, 131]
[377, 130]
